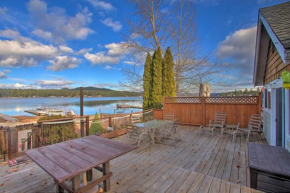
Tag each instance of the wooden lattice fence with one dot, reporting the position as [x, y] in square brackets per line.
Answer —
[199, 110]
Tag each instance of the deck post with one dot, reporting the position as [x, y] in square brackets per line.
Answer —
[106, 170]
[259, 104]
[9, 144]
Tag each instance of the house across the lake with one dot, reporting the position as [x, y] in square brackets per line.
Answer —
[272, 57]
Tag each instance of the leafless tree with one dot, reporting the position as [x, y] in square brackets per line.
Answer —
[158, 23]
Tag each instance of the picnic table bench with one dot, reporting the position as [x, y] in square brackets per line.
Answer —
[69, 159]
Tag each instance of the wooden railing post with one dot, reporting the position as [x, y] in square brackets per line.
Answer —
[87, 125]
[82, 128]
[110, 121]
[259, 103]
[203, 111]
[9, 143]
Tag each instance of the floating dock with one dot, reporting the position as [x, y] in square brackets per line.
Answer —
[45, 111]
[124, 106]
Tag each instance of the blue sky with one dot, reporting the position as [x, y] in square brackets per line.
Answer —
[55, 44]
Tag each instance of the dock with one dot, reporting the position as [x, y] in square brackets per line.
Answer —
[45, 111]
[124, 106]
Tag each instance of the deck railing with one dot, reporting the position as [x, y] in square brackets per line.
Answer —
[15, 140]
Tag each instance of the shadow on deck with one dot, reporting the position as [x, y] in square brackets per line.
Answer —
[199, 163]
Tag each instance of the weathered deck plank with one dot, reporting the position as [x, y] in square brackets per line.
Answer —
[199, 163]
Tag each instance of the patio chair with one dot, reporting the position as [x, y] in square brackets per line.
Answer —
[230, 129]
[255, 125]
[136, 134]
[171, 131]
[218, 122]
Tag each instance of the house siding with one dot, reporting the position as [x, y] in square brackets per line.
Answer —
[274, 66]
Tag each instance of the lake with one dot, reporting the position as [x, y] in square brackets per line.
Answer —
[17, 106]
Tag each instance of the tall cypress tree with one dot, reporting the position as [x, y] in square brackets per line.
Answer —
[168, 83]
[156, 92]
[147, 82]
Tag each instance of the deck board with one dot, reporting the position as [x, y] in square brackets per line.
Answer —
[199, 163]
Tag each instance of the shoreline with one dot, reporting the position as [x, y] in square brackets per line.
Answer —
[70, 97]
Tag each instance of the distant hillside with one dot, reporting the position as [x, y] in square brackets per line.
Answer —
[65, 92]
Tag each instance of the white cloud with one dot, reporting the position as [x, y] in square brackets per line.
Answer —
[66, 49]
[101, 5]
[56, 25]
[108, 67]
[8, 33]
[115, 25]
[239, 47]
[24, 53]
[3, 73]
[101, 58]
[63, 62]
[43, 34]
[83, 51]
[129, 62]
[54, 83]
[116, 51]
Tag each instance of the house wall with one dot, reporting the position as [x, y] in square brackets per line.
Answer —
[274, 66]
[267, 125]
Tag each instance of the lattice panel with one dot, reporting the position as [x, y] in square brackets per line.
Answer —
[234, 100]
[182, 100]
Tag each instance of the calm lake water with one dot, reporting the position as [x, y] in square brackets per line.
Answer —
[17, 106]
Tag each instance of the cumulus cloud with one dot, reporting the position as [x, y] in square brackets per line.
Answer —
[55, 25]
[83, 51]
[3, 73]
[129, 62]
[115, 25]
[115, 53]
[101, 5]
[63, 62]
[15, 53]
[66, 49]
[239, 48]
[101, 58]
[8, 33]
[54, 83]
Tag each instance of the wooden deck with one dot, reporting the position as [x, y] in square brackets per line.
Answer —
[196, 164]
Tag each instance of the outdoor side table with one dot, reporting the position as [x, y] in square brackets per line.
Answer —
[269, 168]
[69, 159]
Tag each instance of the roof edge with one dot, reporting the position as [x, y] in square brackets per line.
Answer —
[285, 55]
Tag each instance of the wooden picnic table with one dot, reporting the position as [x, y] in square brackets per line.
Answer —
[69, 159]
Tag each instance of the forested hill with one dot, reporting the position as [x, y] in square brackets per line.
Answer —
[65, 92]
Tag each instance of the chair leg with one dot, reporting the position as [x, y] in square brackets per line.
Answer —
[248, 138]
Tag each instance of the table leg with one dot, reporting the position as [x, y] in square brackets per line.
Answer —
[76, 182]
[59, 189]
[89, 175]
[152, 135]
[106, 170]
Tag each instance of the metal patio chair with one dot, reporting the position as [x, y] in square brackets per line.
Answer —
[218, 122]
[136, 134]
[255, 125]
[171, 131]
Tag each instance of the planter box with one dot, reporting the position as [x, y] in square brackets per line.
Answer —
[114, 133]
